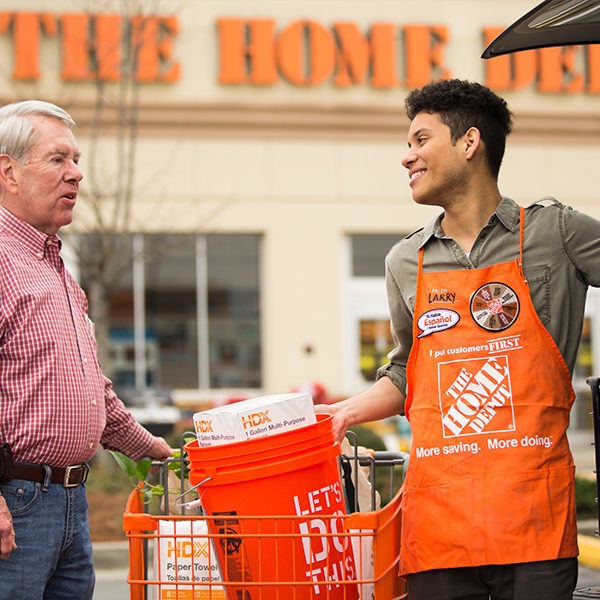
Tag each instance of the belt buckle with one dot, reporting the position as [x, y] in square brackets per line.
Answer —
[69, 470]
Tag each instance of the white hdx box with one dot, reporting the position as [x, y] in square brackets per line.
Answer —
[254, 418]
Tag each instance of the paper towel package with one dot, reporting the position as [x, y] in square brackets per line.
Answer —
[254, 418]
[185, 556]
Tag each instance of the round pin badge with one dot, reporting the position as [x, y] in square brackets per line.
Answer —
[494, 306]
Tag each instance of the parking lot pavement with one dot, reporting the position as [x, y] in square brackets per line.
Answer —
[111, 584]
[588, 577]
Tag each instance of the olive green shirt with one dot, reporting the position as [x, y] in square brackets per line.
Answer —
[561, 258]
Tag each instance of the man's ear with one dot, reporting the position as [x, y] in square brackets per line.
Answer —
[8, 180]
[472, 141]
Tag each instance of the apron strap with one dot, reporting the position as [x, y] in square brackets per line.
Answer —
[521, 226]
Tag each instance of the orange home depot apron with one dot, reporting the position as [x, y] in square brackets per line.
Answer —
[491, 476]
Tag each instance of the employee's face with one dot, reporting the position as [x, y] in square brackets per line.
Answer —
[47, 180]
[436, 169]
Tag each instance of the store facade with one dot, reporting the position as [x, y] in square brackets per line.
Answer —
[267, 177]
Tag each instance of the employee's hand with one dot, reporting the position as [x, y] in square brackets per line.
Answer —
[160, 450]
[339, 424]
[7, 533]
[380, 400]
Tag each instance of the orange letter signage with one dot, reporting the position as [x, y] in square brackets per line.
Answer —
[243, 61]
[424, 54]
[356, 53]
[557, 70]
[27, 29]
[85, 59]
[306, 39]
[152, 48]
[509, 71]
[93, 52]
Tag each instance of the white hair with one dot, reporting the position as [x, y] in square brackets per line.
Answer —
[17, 132]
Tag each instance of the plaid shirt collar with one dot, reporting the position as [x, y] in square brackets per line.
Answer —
[25, 234]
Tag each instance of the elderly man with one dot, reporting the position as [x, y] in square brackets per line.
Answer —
[56, 406]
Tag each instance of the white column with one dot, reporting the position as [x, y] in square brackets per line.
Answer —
[139, 312]
[202, 312]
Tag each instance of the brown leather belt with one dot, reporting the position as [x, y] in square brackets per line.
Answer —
[67, 476]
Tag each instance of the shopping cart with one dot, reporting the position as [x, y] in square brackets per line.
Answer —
[594, 383]
[201, 557]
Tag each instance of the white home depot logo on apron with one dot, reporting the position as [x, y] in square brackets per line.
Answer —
[475, 396]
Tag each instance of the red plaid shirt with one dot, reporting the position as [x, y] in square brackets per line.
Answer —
[55, 404]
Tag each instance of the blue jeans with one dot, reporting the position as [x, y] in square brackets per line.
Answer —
[53, 559]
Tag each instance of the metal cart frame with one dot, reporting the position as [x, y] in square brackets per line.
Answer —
[372, 538]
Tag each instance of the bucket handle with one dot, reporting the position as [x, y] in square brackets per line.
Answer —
[193, 503]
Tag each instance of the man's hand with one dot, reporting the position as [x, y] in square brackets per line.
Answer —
[7, 533]
[160, 450]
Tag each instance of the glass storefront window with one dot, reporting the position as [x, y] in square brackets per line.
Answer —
[375, 343]
[171, 313]
[369, 251]
[234, 311]
[369, 318]
[170, 306]
[114, 330]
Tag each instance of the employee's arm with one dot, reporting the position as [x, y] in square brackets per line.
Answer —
[383, 399]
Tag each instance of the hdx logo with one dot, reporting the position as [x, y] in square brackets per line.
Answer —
[256, 419]
[203, 426]
[187, 549]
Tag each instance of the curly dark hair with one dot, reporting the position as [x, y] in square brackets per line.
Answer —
[463, 104]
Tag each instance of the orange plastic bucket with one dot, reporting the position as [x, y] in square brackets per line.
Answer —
[291, 548]
[280, 444]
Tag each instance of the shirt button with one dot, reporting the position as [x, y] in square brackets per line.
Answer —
[91, 445]
[94, 402]
[85, 361]
[40, 255]
[48, 242]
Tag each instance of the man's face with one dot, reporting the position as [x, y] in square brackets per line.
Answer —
[48, 178]
[436, 167]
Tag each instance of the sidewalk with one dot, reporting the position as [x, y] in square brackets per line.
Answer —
[111, 555]
[582, 447]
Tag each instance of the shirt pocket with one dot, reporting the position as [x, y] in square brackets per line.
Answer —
[538, 278]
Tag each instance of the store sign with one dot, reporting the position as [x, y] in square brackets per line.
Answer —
[306, 53]
[93, 46]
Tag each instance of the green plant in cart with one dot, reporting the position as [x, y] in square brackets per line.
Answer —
[180, 466]
[139, 471]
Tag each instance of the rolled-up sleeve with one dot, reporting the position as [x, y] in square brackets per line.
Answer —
[122, 432]
[401, 328]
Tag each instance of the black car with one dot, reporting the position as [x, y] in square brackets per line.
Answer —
[551, 23]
